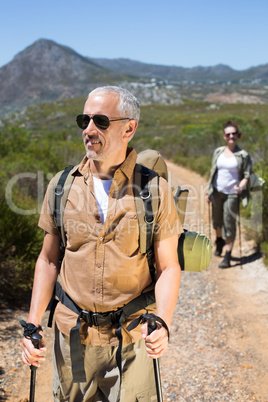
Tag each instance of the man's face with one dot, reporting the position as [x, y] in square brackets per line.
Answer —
[103, 144]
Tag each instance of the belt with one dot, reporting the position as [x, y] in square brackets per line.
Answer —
[100, 319]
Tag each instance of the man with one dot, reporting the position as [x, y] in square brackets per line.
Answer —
[103, 269]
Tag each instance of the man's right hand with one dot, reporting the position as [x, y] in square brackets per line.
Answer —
[30, 355]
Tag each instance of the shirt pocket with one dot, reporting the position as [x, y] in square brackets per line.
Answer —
[127, 235]
[81, 226]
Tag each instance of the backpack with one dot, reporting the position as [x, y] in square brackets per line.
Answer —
[194, 249]
[256, 183]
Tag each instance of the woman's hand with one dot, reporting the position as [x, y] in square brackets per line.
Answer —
[208, 199]
[238, 189]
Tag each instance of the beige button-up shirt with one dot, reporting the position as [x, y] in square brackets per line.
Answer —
[103, 268]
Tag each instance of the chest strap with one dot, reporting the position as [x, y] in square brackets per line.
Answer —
[117, 317]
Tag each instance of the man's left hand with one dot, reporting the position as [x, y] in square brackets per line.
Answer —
[157, 342]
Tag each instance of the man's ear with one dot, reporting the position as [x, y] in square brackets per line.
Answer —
[130, 128]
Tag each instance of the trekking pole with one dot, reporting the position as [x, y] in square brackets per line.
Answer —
[151, 327]
[239, 234]
[35, 338]
[209, 219]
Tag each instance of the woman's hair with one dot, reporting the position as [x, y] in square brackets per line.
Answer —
[232, 123]
[128, 105]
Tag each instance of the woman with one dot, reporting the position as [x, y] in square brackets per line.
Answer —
[231, 168]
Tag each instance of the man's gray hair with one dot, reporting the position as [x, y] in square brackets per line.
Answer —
[128, 105]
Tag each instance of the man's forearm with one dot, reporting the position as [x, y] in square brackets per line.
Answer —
[45, 278]
[167, 291]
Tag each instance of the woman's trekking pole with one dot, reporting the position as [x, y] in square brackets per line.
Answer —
[35, 338]
[151, 327]
[209, 219]
[239, 234]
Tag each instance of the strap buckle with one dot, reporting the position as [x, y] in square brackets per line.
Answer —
[145, 194]
[85, 315]
[96, 319]
[92, 319]
[99, 319]
[58, 190]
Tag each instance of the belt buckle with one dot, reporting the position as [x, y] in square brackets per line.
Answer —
[87, 317]
[94, 319]
[90, 318]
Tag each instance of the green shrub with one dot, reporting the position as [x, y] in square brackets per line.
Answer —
[20, 244]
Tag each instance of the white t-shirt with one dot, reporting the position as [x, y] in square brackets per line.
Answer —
[227, 174]
[101, 190]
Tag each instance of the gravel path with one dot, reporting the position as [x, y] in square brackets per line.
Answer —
[219, 338]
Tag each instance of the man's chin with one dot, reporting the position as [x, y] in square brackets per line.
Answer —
[93, 155]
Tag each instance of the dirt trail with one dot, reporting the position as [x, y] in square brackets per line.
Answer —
[219, 336]
[220, 328]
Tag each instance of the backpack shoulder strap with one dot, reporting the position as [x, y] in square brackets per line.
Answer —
[180, 199]
[146, 193]
[58, 193]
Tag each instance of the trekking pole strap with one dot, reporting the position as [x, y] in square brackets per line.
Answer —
[146, 317]
[29, 328]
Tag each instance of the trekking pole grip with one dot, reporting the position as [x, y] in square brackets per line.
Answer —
[36, 338]
[151, 327]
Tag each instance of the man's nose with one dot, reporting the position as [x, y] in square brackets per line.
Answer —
[91, 126]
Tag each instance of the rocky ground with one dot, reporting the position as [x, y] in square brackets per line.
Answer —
[219, 338]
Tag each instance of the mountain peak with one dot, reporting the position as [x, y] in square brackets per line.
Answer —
[46, 71]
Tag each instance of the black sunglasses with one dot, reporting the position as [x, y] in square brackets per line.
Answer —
[228, 134]
[100, 120]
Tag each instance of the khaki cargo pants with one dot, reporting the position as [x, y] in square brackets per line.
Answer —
[138, 383]
[225, 209]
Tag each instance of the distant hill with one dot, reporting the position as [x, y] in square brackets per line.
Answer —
[47, 71]
[169, 73]
[220, 73]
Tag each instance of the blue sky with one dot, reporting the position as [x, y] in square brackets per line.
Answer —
[172, 32]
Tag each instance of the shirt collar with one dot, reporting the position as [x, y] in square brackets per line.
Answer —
[126, 167]
[129, 163]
